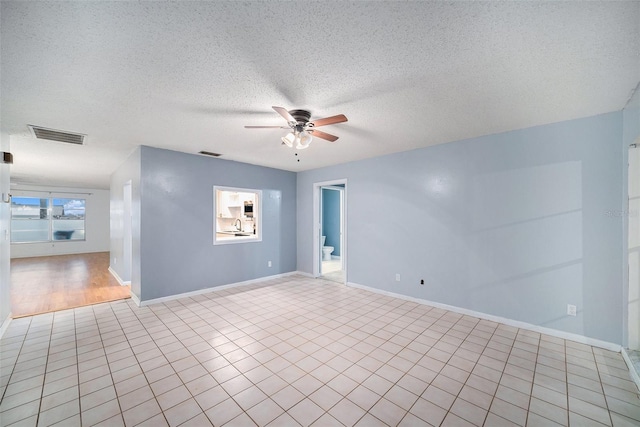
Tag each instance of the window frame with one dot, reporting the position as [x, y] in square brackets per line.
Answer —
[257, 217]
[50, 219]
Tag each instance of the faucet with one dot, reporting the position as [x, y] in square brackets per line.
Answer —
[238, 224]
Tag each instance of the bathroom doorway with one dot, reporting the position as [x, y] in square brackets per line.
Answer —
[330, 231]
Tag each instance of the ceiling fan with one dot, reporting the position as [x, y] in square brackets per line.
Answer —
[303, 130]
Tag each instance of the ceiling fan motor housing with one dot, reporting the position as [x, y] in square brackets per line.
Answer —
[301, 116]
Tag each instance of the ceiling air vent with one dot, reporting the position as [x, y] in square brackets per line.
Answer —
[209, 153]
[57, 135]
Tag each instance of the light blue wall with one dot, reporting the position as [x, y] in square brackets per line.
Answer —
[128, 171]
[331, 219]
[177, 251]
[516, 225]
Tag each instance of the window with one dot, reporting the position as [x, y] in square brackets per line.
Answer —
[35, 219]
[238, 215]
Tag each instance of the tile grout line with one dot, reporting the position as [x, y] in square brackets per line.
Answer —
[438, 373]
[452, 354]
[138, 362]
[170, 363]
[533, 380]
[393, 327]
[261, 364]
[13, 367]
[44, 377]
[606, 401]
[503, 369]
[113, 382]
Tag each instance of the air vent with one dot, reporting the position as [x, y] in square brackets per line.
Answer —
[57, 135]
[209, 153]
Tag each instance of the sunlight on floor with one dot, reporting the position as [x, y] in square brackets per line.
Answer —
[332, 270]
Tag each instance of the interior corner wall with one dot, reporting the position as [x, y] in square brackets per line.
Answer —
[5, 246]
[96, 222]
[515, 225]
[177, 217]
[129, 171]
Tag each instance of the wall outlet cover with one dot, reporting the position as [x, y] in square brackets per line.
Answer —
[397, 277]
[571, 310]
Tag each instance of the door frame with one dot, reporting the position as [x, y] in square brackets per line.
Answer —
[317, 225]
[341, 210]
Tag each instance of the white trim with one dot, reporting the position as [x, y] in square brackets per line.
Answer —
[256, 218]
[305, 274]
[212, 289]
[317, 226]
[115, 275]
[632, 370]
[135, 299]
[5, 325]
[522, 325]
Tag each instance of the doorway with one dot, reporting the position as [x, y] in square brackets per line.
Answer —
[330, 243]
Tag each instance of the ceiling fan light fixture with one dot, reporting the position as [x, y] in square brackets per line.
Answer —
[303, 140]
[289, 139]
[302, 130]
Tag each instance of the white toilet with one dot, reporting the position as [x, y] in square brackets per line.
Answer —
[326, 250]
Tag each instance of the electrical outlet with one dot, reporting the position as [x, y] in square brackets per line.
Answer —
[571, 310]
[422, 281]
[397, 277]
[269, 264]
[115, 261]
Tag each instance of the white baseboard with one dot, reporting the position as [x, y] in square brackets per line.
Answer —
[515, 323]
[634, 374]
[305, 274]
[5, 325]
[212, 289]
[115, 275]
[135, 298]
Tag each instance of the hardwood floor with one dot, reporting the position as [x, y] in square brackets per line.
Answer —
[52, 283]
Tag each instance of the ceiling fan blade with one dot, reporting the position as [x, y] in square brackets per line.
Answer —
[330, 120]
[284, 113]
[267, 127]
[323, 135]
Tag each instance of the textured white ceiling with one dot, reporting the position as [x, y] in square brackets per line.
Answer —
[188, 76]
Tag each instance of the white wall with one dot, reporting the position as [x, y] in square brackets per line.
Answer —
[96, 225]
[128, 172]
[5, 213]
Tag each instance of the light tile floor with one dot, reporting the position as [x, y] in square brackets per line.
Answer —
[299, 351]
[332, 270]
[634, 355]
